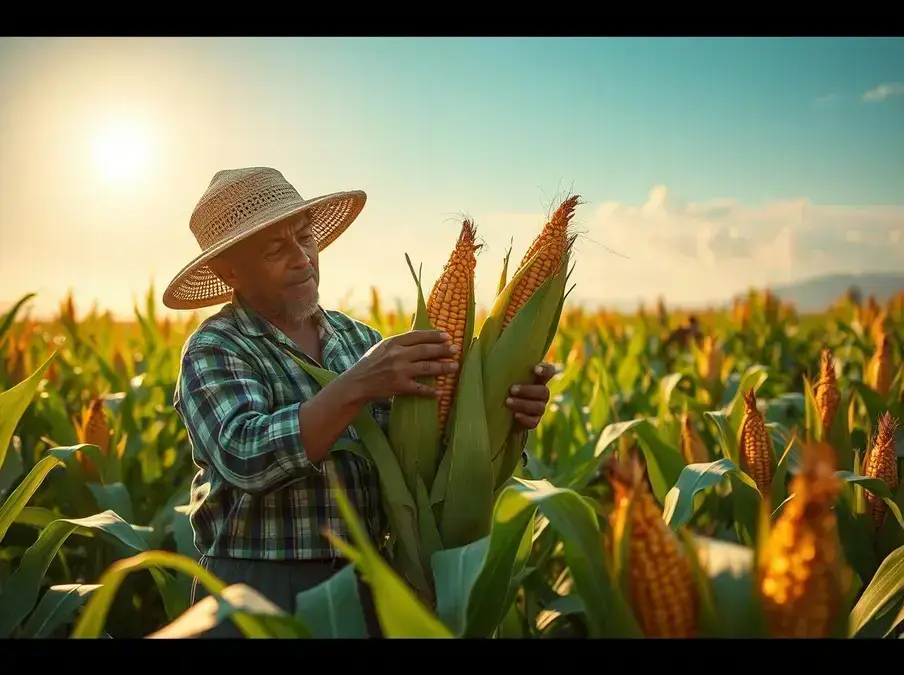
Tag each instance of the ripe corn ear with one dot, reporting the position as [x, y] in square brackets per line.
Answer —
[756, 445]
[882, 462]
[550, 245]
[94, 430]
[802, 577]
[691, 445]
[881, 367]
[660, 581]
[450, 308]
[828, 398]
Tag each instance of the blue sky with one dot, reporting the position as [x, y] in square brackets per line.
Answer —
[725, 162]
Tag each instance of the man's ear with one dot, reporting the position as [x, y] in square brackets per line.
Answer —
[223, 268]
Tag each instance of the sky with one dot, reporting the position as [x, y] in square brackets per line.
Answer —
[705, 165]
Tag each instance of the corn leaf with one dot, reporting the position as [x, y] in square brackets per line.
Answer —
[468, 504]
[91, 621]
[9, 318]
[500, 287]
[518, 350]
[679, 505]
[14, 402]
[878, 487]
[333, 608]
[398, 502]
[56, 608]
[492, 325]
[414, 433]
[400, 613]
[21, 590]
[886, 588]
[14, 504]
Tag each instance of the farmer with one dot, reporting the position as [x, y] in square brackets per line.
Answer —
[261, 430]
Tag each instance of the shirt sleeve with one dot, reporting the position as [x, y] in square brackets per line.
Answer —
[223, 402]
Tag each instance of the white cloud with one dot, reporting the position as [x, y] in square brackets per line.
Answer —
[826, 101]
[697, 252]
[883, 92]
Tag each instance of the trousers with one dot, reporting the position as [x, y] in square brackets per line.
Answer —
[280, 582]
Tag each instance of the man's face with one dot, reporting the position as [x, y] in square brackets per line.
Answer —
[276, 269]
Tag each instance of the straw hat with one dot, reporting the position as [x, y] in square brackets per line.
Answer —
[239, 203]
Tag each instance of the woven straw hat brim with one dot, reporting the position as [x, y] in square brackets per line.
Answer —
[196, 286]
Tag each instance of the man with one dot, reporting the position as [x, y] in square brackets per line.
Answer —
[261, 429]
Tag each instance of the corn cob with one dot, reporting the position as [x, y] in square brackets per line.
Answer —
[557, 240]
[713, 358]
[882, 462]
[691, 446]
[880, 367]
[94, 430]
[802, 577]
[447, 308]
[828, 398]
[661, 584]
[755, 445]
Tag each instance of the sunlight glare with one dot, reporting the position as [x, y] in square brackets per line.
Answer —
[121, 151]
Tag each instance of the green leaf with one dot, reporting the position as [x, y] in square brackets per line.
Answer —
[114, 497]
[468, 505]
[414, 433]
[14, 402]
[333, 608]
[664, 462]
[678, 508]
[455, 570]
[57, 607]
[399, 504]
[729, 569]
[726, 435]
[753, 378]
[878, 488]
[400, 613]
[29, 485]
[886, 587]
[21, 591]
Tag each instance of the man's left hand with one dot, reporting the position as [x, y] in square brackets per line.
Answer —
[528, 401]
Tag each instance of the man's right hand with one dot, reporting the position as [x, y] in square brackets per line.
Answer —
[390, 367]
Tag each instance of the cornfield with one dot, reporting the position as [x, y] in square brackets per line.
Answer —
[742, 481]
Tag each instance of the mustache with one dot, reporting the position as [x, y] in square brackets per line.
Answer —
[301, 279]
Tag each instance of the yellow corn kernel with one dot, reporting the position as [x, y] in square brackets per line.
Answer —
[447, 308]
[691, 446]
[882, 462]
[557, 240]
[755, 445]
[880, 370]
[661, 585]
[828, 398]
[713, 359]
[802, 576]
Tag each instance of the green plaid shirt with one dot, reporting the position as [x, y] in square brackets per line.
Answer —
[256, 495]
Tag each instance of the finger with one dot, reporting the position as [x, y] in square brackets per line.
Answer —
[429, 351]
[415, 388]
[520, 405]
[544, 372]
[533, 392]
[417, 337]
[527, 421]
[426, 368]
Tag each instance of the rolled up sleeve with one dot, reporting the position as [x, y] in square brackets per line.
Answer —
[224, 404]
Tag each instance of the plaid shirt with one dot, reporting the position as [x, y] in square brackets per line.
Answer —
[238, 394]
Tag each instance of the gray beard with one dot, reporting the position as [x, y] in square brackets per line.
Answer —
[299, 311]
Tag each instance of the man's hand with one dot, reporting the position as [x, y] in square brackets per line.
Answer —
[390, 367]
[528, 401]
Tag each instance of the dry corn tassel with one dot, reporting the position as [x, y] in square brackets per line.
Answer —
[756, 445]
[448, 308]
[554, 240]
[802, 576]
[828, 398]
[882, 462]
[661, 584]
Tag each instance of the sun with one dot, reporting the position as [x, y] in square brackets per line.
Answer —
[122, 151]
